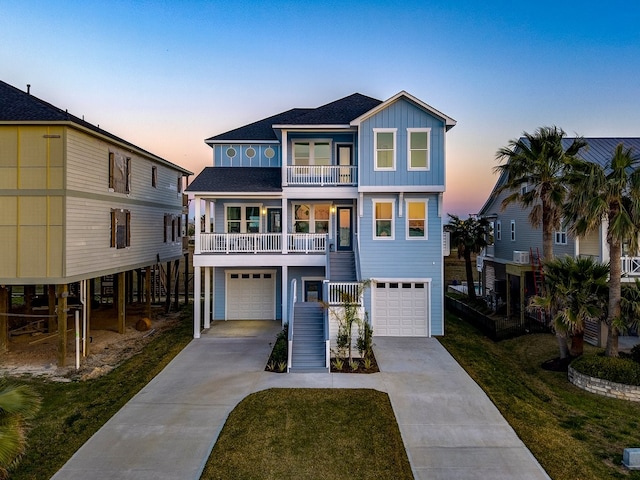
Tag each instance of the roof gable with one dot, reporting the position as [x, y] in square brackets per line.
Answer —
[449, 122]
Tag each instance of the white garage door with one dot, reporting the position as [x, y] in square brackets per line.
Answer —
[251, 296]
[400, 309]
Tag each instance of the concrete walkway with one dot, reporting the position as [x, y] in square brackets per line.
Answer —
[450, 428]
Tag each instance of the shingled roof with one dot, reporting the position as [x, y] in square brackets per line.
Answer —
[338, 112]
[238, 179]
[19, 106]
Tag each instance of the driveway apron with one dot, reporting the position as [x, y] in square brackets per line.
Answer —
[450, 428]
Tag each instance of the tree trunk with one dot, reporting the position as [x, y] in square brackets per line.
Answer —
[561, 338]
[547, 230]
[615, 251]
[577, 344]
[471, 287]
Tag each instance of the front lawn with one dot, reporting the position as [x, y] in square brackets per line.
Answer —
[573, 434]
[310, 434]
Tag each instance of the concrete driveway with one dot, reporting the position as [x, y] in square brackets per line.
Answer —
[450, 428]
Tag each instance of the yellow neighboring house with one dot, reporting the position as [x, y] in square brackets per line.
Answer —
[79, 204]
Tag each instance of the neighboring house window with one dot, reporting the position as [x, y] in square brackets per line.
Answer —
[418, 140]
[384, 224]
[120, 228]
[243, 219]
[312, 153]
[416, 220]
[498, 230]
[119, 173]
[311, 218]
[523, 188]
[172, 227]
[179, 184]
[384, 148]
[561, 236]
[513, 230]
[154, 177]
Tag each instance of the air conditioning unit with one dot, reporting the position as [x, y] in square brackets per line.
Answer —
[520, 256]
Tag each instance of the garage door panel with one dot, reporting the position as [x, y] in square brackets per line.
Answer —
[400, 309]
[250, 296]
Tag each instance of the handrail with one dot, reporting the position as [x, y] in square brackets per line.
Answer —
[293, 298]
[322, 175]
[356, 257]
[327, 338]
[630, 266]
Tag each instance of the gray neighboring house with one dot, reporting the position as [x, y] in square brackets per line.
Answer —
[508, 268]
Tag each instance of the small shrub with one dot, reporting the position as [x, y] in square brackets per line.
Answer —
[338, 363]
[354, 365]
[367, 363]
[279, 353]
[618, 370]
[365, 334]
[282, 367]
[635, 353]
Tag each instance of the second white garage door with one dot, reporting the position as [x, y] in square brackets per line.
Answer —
[400, 309]
[251, 295]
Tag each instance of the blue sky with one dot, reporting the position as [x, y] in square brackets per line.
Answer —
[167, 75]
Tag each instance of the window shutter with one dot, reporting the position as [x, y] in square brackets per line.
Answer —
[111, 169]
[128, 224]
[113, 228]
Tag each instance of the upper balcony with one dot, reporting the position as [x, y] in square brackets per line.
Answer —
[321, 175]
[254, 243]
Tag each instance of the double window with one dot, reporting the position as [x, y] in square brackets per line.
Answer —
[311, 218]
[561, 235]
[242, 218]
[384, 148]
[316, 152]
[384, 222]
[416, 220]
[418, 143]
[119, 173]
[120, 228]
[498, 230]
[513, 230]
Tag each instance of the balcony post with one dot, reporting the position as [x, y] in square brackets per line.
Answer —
[285, 227]
[197, 226]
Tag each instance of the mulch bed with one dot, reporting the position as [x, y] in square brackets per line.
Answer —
[346, 368]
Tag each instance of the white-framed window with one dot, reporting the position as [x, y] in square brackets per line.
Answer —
[498, 230]
[560, 236]
[311, 218]
[513, 230]
[312, 152]
[418, 148]
[383, 219]
[384, 148]
[416, 226]
[242, 218]
[523, 188]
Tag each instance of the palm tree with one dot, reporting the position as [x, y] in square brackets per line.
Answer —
[17, 405]
[576, 291]
[469, 236]
[609, 193]
[540, 162]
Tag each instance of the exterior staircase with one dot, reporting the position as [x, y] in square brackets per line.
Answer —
[342, 267]
[308, 349]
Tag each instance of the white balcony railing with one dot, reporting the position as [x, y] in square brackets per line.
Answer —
[262, 242]
[345, 292]
[631, 266]
[322, 175]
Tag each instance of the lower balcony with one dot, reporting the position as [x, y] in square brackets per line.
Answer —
[262, 243]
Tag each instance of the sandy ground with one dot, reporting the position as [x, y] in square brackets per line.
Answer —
[36, 354]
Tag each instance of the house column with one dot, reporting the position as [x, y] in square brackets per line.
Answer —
[508, 295]
[62, 323]
[283, 160]
[121, 301]
[197, 226]
[285, 226]
[196, 299]
[285, 294]
[207, 216]
[207, 297]
[522, 299]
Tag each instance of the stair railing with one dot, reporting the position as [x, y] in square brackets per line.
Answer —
[356, 257]
[293, 298]
[327, 338]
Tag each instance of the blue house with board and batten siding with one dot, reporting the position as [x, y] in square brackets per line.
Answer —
[301, 206]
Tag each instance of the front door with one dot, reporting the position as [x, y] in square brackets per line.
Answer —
[344, 228]
[274, 220]
[313, 291]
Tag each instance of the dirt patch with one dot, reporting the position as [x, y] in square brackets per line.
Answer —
[37, 353]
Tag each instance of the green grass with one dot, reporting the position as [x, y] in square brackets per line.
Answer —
[310, 434]
[573, 434]
[72, 412]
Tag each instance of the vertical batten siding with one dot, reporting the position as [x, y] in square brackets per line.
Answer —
[404, 259]
[402, 115]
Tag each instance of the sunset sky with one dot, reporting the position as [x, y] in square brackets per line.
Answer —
[167, 75]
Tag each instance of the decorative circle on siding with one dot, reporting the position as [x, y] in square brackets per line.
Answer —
[269, 153]
[251, 152]
[231, 152]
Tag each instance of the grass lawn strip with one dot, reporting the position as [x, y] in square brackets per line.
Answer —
[573, 434]
[310, 434]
